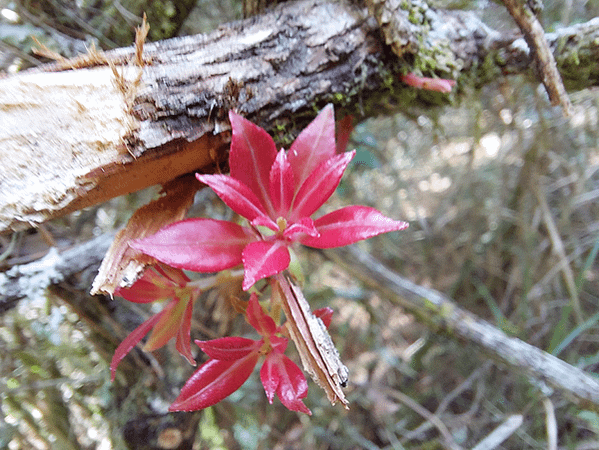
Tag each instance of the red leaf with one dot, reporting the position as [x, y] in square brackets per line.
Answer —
[304, 226]
[131, 341]
[183, 343]
[214, 381]
[229, 348]
[262, 259]
[281, 375]
[320, 185]
[264, 324]
[315, 144]
[278, 343]
[153, 285]
[168, 325]
[235, 194]
[325, 314]
[202, 245]
[145, 291]
[264, 221]
[252, 154]
[432, 84]
[176, 276]
[282, 186]
[351, 224]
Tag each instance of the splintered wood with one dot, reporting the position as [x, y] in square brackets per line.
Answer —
[319, 356]
[122, 265]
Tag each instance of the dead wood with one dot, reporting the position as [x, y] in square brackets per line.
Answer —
[74, 138]
[32, 279]
[443, 315]
[526, 19]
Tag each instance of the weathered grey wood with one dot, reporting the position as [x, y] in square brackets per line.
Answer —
[73, 138]
[444, 315]
[31, 280]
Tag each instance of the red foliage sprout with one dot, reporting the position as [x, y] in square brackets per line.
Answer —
[277, 192]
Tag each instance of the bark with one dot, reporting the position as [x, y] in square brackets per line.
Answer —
[31, 280]
[76, 137]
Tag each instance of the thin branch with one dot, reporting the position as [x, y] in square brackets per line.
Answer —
[559, 250]
[535, 38]
[274, 69]
[442, 314]
[551, 424]
[425, 413]
[500, 434]
[31, 280]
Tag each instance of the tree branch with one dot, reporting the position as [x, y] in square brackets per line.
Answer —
[442, 314]
[535, 38]
[32, 279]
[74, 138]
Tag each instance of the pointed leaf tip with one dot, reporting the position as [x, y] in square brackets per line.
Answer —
[320, 184]
[252, 155]
[263, 323]
[235, 194]
[201, 245]
[315, 144]
[131, 341]
[280, 375]
[351, 224]
[214, 381]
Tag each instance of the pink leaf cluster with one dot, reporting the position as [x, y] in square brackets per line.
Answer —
[232, 360]
[277, 192]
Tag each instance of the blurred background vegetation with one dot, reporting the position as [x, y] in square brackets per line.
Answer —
[501, 192]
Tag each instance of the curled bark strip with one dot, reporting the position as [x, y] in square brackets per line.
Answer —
[313, 342]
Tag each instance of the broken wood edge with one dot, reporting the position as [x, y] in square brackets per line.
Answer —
[123, 266]
[129, 175]
[158, 167]
[27, 215]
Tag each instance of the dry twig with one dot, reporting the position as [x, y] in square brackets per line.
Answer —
[432, 418]
[500, 434]
[535, 38]
[559, 248]
[442, 314]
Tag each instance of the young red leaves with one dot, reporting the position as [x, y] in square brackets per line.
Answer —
[277, 192]
[232, 360]
[160, 283]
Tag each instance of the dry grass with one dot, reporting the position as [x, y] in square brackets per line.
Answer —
[506, 223]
